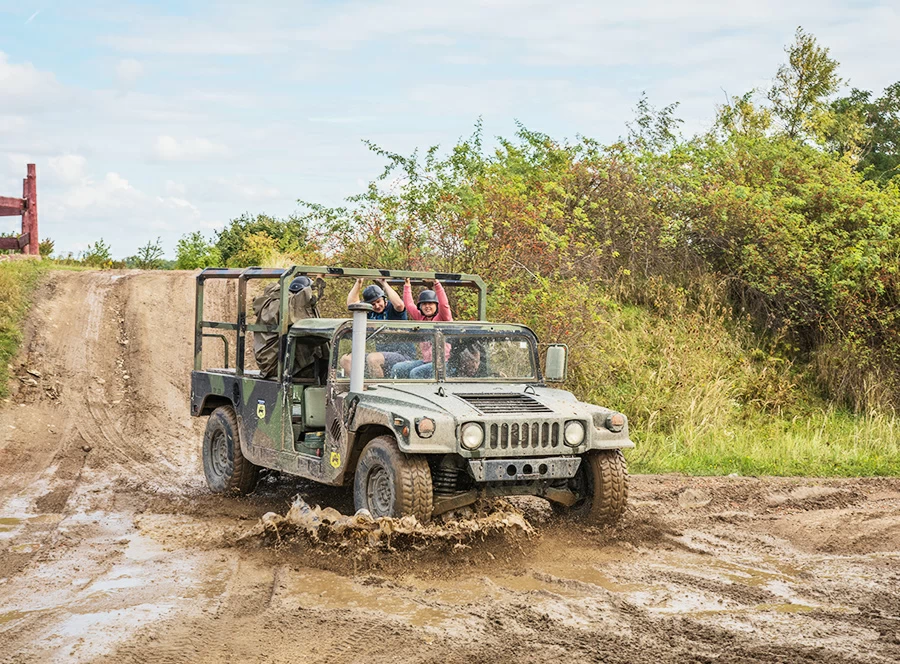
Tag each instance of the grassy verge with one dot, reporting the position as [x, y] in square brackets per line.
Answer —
[823, 444]
[17, 281]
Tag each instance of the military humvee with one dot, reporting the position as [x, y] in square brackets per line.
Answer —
[477, 421]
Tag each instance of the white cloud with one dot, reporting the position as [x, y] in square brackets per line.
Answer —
[247, 188]
[168, 148]
[128, 71]
[175, 188]
[113, 191]
[12, 123]
[68, 168]
[25, 88]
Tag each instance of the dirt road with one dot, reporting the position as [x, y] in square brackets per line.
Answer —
[111, 549]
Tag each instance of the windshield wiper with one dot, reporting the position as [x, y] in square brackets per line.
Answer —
[369, 338]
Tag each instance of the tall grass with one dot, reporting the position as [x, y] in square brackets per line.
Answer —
[17, 281]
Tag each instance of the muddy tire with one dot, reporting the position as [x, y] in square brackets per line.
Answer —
[601, 486]
[226, 469]
[390, 483]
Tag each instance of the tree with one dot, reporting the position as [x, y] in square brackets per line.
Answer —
[148, 257]
[882, 159]
[193, 251]
[869, 130]
[803, 85]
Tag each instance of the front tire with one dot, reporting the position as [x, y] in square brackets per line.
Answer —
[601, 486]
[226, 469]
[390, 483]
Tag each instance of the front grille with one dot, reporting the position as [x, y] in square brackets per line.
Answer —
[523, 435]
[505, 403]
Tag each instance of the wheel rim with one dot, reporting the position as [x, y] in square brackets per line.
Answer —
[380, 492]
[219, 454]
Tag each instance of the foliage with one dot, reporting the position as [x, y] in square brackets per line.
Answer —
[257, 249]
[193, 251]
[287, 236]
[869, 130]
[45, 247]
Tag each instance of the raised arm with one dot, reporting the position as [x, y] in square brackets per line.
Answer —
[443, 312]
[411, 309]
[353, 295]
[392, 295]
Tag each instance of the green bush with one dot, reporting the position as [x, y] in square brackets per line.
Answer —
[193, 251]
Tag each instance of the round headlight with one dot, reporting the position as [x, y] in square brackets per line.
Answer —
[574, 433]
[472, 436]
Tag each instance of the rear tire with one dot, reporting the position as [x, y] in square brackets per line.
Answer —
[601, 486]
[226, 469]
[390, 483]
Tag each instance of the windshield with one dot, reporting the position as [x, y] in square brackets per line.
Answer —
[507, 356]
[390, 354]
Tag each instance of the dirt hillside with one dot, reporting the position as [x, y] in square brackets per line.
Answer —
[112, 550]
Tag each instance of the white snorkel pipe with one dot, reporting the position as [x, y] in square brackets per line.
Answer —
[358, 345]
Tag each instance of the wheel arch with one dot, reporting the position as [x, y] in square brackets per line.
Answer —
[212, 401]
[361, 438]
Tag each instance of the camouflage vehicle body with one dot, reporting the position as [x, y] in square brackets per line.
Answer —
[319, 429]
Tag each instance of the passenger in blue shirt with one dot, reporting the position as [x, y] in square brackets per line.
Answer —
[386, 305]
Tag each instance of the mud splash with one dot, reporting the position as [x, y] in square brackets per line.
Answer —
[360, 531]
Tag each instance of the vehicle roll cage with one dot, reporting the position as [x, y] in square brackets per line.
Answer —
[285, 276]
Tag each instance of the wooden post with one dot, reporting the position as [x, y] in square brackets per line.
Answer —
[30, 218]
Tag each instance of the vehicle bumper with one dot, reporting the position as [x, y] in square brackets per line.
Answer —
[519, 469]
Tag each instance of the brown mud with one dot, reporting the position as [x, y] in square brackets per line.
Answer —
[112, 550]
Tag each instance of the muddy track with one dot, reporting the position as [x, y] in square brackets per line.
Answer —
[111, 550]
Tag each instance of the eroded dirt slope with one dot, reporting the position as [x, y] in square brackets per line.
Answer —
[111, 549]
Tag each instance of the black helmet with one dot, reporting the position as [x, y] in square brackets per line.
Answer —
[299, 284]
[372, 293]
[427, 296]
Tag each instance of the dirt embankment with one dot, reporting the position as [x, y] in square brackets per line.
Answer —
[112, 550]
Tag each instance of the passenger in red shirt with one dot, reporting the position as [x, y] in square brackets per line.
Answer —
[432, 306]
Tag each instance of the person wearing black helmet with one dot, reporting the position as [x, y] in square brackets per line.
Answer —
[386, 303]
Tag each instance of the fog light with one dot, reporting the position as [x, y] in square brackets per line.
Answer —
[425, 427]
[472, 436]
[574, 433]
[615, 422]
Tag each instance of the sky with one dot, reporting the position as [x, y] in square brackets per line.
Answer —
[154, 119]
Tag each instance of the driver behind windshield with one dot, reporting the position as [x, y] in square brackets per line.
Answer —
[466, 360]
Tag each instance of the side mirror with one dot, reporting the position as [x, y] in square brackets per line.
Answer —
[556, 366]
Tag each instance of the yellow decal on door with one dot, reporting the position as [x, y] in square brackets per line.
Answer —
[260, 409]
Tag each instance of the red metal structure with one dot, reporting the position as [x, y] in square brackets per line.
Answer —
[26, 206]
